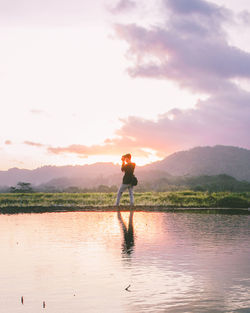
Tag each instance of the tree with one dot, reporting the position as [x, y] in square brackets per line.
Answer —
[22, 187]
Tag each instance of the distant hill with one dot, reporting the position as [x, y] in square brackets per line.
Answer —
[85, 174]
[198, 161]
[215, 160]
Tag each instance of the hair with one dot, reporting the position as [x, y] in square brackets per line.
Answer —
[128, 155]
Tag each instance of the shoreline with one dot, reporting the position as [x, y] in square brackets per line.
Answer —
[124, 208]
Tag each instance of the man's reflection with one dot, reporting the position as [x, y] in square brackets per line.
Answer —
[128, 233]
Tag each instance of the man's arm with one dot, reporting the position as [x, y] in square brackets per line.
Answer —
[123, 166]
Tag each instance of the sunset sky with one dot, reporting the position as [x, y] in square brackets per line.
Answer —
[83, 81]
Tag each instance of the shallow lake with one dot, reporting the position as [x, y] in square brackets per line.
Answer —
[83, 261]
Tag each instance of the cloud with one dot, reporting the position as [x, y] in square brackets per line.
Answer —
[244, 16]
[221, 119]
[33, 144]
[35, 111]
[116, 146]
[123, 6]
[192, 52]
[8, 142]
[191, 49]
[193, 7]
[218, 120]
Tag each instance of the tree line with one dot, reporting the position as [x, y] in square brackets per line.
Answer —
[210, 183]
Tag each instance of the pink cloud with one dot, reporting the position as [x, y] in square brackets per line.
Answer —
[123, 6]
[117, 146]
[222, 119]
[215, 121]
[35, 111]
[33, 144]
[192, 50]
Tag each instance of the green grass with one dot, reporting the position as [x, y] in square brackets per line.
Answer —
[184, 199]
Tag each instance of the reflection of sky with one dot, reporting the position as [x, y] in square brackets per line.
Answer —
[179, 263]
[203, 257]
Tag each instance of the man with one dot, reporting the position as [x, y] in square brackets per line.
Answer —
[128, 179]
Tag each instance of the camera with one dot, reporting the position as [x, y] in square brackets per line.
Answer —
[126, 156]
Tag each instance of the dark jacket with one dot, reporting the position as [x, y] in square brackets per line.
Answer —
[129, 172]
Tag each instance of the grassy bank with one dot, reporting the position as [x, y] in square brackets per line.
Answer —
[181, 199]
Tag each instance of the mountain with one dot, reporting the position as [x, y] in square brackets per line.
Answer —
[215, 160]
[45, 174]
[198, 161]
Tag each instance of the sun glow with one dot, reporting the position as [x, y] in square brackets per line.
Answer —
[111, 158]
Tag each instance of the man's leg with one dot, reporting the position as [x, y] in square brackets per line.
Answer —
[120, 192]
[131, 195]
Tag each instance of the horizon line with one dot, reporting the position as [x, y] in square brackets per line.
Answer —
[117, 163]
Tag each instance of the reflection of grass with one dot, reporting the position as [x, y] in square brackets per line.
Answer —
[183, 199]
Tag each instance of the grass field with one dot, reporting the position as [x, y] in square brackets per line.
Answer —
[181, 199]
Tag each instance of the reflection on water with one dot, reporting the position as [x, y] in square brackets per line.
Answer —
[128, 233]
[82, 262]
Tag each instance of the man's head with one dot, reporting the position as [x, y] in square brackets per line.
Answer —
[127, 157]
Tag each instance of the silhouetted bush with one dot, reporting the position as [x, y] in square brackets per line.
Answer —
[232, 201]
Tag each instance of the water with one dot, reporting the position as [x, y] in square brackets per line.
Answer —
[82, 262]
